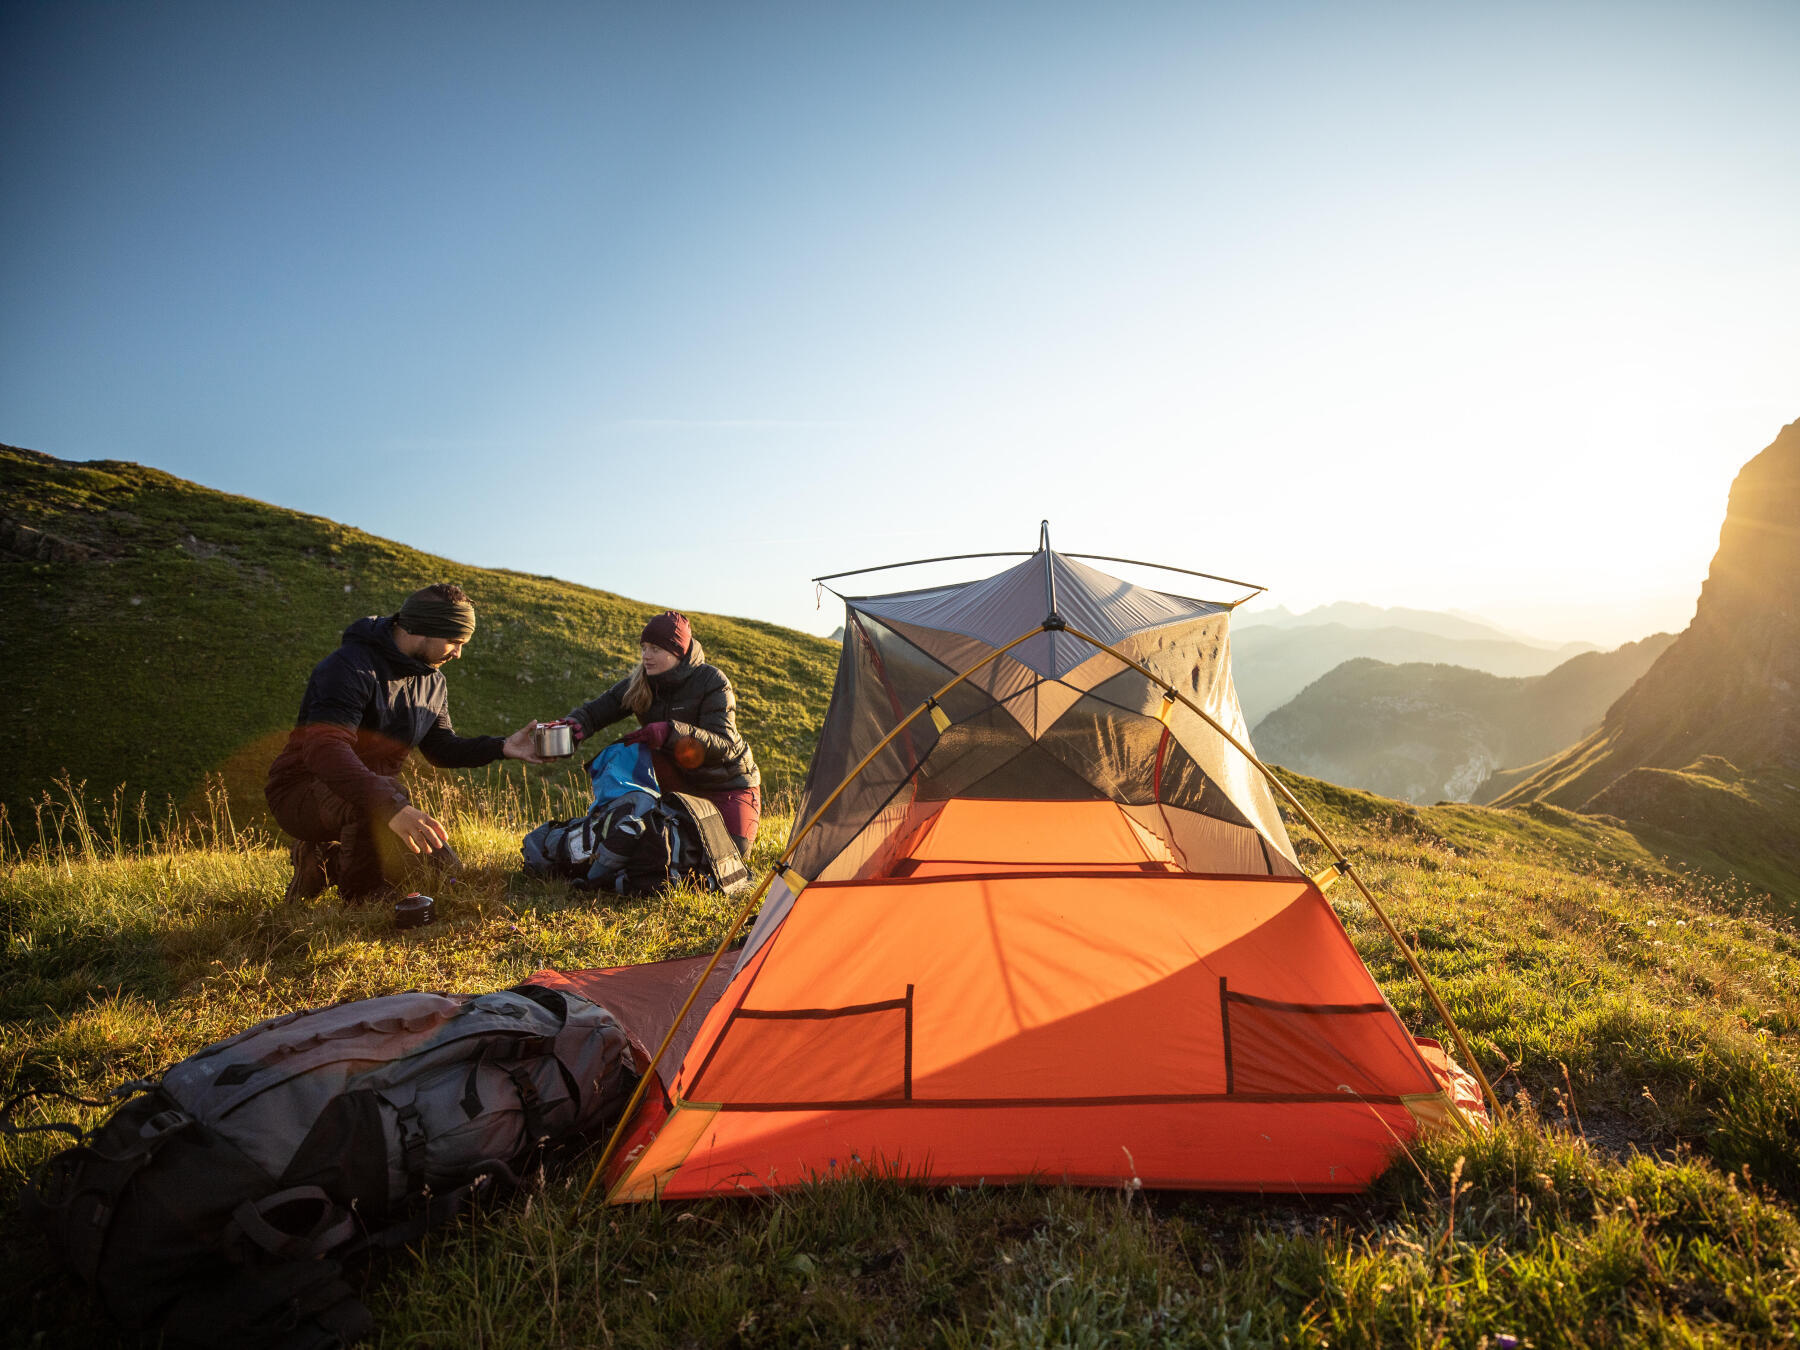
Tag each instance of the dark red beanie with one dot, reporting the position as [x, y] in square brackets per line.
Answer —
[669, 631]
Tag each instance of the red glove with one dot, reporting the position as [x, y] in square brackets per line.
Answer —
[576, 733]
[653, 734]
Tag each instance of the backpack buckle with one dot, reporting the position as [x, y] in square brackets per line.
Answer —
[163, 1122]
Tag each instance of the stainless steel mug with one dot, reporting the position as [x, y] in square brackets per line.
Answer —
[553, 742]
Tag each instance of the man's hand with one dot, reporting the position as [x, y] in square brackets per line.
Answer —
[418, 831]
[520, 745]
[652, 734]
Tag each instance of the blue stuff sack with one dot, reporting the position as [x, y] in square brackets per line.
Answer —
[621, 769]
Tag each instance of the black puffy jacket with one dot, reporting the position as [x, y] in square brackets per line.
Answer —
[696, 700]
[365, 708]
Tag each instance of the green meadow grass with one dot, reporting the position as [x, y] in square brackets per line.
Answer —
[1642, 1186]
[170, 634]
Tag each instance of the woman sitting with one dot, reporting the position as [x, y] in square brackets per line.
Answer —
[687, 715]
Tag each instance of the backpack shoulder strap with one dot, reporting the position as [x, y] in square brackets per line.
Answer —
[722, 858]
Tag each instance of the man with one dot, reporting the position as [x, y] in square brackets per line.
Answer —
[335, 786]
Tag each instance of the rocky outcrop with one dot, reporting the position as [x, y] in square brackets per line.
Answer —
[27, 542]
[1730, 684]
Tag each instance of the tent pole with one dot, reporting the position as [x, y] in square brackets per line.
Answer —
[1250, 586]
[637, 1093]
[755, 899]
[1336, 853]
[920, 562]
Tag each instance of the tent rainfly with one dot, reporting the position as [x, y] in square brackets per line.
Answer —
[1038, 919]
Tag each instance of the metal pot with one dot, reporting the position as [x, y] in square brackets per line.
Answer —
[553, 742]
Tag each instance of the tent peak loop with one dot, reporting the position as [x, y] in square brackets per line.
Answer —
[1052, 620]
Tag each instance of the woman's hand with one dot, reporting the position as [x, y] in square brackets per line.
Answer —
[652, 734]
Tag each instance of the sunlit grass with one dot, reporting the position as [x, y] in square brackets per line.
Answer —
[1640, 1188]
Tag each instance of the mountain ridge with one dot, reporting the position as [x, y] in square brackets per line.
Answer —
[1437, 732]
[1448, 623]
[1271, 665]
[1706, 745]
[1729, 686]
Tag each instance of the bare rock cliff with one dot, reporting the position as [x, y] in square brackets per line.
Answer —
[1729, 686]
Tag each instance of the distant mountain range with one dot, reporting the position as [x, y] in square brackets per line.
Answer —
[1277, 655]
[1707, 744]
[1350, 614]
[1434, 732]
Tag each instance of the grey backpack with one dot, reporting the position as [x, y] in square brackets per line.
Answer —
[638, 843]
[218, 1205]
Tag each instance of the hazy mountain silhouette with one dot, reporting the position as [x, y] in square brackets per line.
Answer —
[1352, 614]
[1273, 661]
[1437, 732]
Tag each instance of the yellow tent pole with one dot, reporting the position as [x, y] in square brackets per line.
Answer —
[637, 1093]
[756, 896]
[1336, 853]
[901, 726]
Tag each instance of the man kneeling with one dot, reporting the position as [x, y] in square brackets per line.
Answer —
[334, 787]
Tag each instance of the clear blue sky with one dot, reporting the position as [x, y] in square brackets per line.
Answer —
[1414, 304]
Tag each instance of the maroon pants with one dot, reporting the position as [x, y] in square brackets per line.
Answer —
[741, 809]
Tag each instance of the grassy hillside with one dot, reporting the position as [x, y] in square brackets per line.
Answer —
[1747, 824]
[154, 631]
[1641, 1189]
[1430, 733]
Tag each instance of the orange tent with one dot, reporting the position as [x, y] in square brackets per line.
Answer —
[1039, 918]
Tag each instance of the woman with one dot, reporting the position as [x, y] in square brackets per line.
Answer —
[687, 715]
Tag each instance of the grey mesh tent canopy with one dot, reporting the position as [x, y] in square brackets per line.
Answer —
[1054, 718]
[1039, 917]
